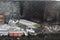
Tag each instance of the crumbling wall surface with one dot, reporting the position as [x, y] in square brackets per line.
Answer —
[52, 12]
[9, 8]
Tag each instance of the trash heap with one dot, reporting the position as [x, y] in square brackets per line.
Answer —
[18, 28]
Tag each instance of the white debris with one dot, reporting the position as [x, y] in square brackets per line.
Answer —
[26, 22]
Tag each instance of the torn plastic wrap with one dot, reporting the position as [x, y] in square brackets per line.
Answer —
[14, 22]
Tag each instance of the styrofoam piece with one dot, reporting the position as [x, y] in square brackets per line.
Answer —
[26, 22]
[4, 27]
[3, 33]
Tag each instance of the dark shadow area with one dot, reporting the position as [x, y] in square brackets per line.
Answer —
[33, 11]
[40, 11]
